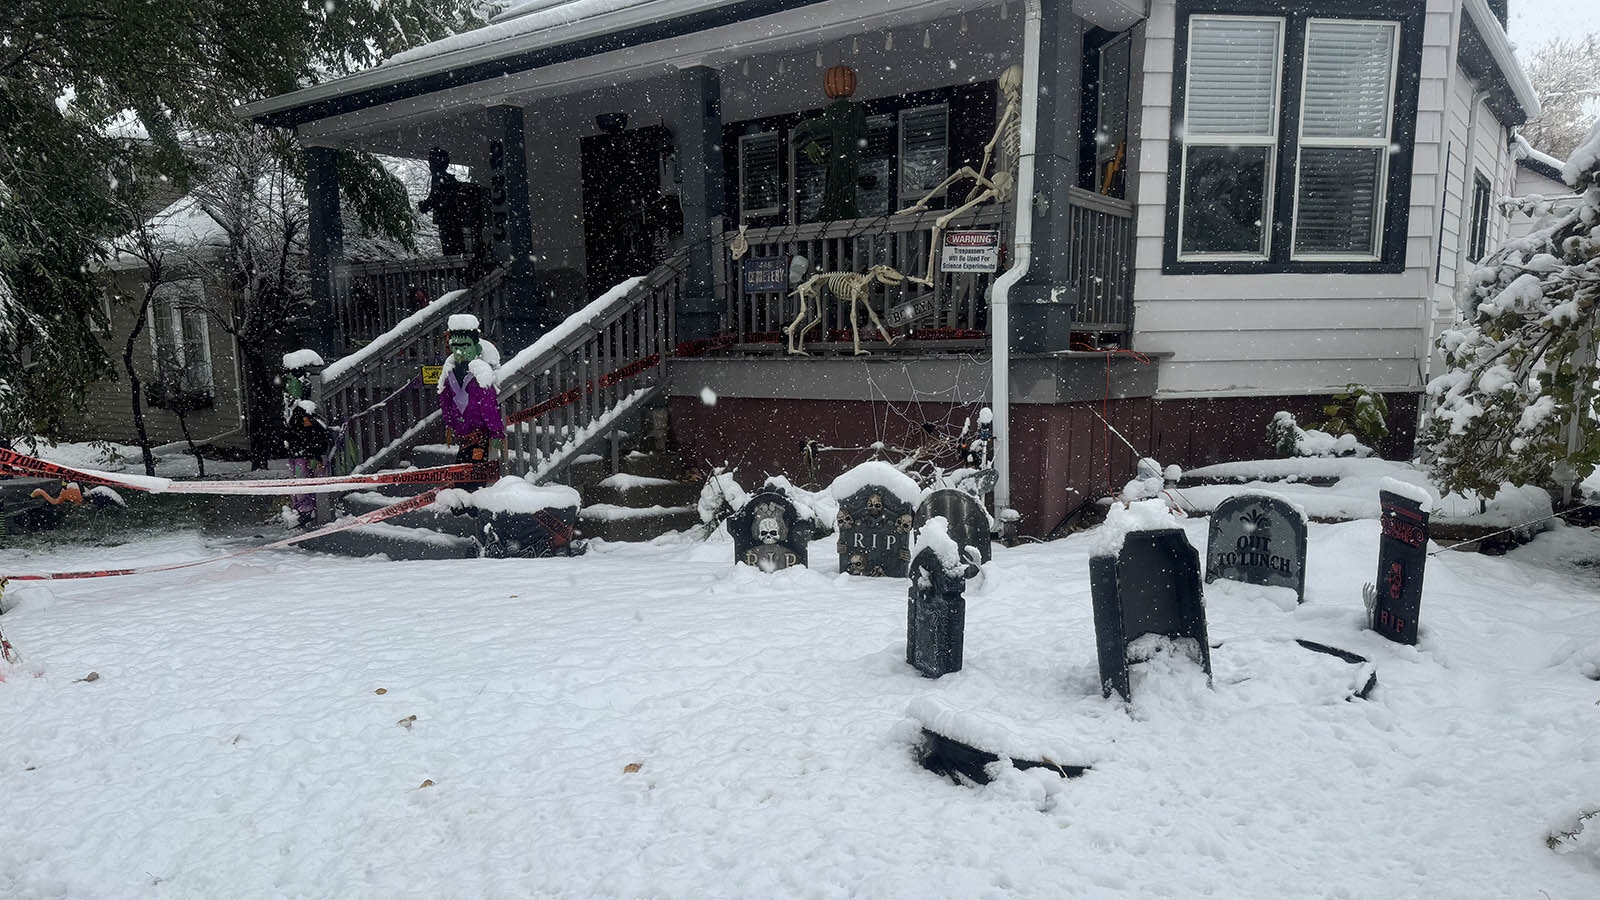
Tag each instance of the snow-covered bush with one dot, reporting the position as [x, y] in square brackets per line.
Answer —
[1287, 438]
[1520, 367]
[1359, 411]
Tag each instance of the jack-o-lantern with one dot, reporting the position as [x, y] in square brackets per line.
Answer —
[839, 81]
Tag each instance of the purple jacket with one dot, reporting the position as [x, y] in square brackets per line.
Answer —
[474, 406]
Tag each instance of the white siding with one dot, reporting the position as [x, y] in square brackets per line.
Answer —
[1287, 333]
[1529, 183]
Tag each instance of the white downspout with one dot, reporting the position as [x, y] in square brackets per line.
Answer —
[1022, 244]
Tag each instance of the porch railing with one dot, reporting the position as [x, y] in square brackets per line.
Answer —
[567, 391]
[1100, 267]
[371, 298]
[378, 393]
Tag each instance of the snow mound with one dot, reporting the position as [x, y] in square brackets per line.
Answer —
[1141, 515]
[511, 494]
[880, 473]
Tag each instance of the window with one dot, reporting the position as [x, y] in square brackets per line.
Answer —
[760, 182]
[182, 338]
[1113, 65]
[1478, 237]
[924, 150]
[1292, 136]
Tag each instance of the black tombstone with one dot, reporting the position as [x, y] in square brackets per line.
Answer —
[547, 532]
[1258, 539]
[1151, 587]
[968, 523]
[1402, 557]
[874, 527]
[769, 534]
[936, 616]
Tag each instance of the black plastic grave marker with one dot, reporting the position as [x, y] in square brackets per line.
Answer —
[1152, 586]
[951, 758]
[936, 616]
[968, 523]
[769, 534]
[1258, 540]
[1402, 559]
[874, 528]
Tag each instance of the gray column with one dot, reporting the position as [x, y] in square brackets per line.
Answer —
[513, 229]
[325, 246]
[1042, 302]
[698, 118]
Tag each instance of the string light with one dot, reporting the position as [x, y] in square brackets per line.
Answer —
[927, 38]
[1005, 12]
[819, 59]
[963, 23]
[888, 41]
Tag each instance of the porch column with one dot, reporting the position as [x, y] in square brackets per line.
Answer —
[1042, 302]
[325, 245]
[512, 225]
[699, 140]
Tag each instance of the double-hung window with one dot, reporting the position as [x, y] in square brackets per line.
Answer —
[1292, 132]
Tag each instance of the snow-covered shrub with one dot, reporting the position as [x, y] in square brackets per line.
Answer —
[1520, 367]
[1359, 411]
[1287, 438]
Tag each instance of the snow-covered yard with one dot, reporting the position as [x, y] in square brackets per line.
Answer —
[652, 721]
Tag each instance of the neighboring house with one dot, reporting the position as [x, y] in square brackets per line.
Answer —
[1538, 175]
[183, 356]
[1230, 207]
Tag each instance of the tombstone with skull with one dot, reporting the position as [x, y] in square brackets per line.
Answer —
[769, 533]
[874, 527]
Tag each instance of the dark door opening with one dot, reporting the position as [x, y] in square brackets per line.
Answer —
[623, 229]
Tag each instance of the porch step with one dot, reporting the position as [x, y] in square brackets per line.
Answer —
[625, 523]
[429, 517]
[397, 542]
[426, 456]
[642, 491]
[654, 464]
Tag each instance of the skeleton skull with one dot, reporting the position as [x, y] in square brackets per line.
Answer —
[875, 503]
[1011, 83]
[903, 524]
[768, 531]
[844, 521]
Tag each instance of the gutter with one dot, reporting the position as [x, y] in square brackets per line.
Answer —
[1022, 240]
[1494, 37]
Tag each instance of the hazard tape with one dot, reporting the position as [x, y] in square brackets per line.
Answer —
[377, 515]
[456, 473]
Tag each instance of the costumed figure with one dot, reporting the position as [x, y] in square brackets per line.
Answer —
[458, 207]
[836, 136]
[306, 435]
[467, 396]
[1004, 150]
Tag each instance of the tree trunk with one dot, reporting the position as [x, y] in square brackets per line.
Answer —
[262, 412]
[199, 461]
[136, 387]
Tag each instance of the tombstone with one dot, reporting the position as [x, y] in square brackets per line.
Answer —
[936, 616]
[1258, 539]
[769, 534]
[1402, 557]
[546, 532]
[1152, 586]
[874, 526]
[968, 522]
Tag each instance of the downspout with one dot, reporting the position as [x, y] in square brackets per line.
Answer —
[1022, 246]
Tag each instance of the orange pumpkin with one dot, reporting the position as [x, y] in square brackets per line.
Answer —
[839, 81]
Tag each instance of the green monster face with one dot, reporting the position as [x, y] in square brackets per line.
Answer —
[464, 348]
[294, 387]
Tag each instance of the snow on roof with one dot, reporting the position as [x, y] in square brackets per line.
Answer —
[1584, 158]
[1537, 161]
[536, 17]
[183, 224]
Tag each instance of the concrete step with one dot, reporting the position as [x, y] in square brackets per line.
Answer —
[426, 456]
[654, 464]
[641, 491]
[624, 523]
[429, 517]
[394, 541]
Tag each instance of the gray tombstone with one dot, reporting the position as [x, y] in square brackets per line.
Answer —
[936, 616]
[968, 523]
[1152, 586]
[768, 533]
[1258, 539]
[874, 527]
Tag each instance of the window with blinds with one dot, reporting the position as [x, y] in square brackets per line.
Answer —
[924, 150]
[760, 180]
[1346, 107]
[181, 335]
[1230, 136]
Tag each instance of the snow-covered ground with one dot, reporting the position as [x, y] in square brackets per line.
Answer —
[652, 721]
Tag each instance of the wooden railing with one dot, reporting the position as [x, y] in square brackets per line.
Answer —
[569, 389]
[1100, 267]
[377, 392]
[371, 298]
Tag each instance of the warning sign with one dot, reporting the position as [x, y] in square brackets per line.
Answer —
[974, 250]
[430, 374]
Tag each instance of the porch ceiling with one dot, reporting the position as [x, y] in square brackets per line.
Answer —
[398, 126]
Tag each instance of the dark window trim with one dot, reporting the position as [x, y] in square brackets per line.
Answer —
[1478, 235]
[972, 117]
[1396, 220]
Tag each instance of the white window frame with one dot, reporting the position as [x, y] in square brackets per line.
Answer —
[1478, 227]
[746, 212]
[176, 294]
[1381, 144]
[1272, 143]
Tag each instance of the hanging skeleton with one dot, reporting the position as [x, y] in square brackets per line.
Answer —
[1000, 187]
[854, 288]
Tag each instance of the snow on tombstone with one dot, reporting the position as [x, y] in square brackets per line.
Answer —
[770, 532]
[936, 611]
[876, 501]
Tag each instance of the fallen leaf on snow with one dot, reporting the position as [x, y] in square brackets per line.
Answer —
[381, 691]
[632, 767]
[426, 782]
[92, 676]
[407, 721]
